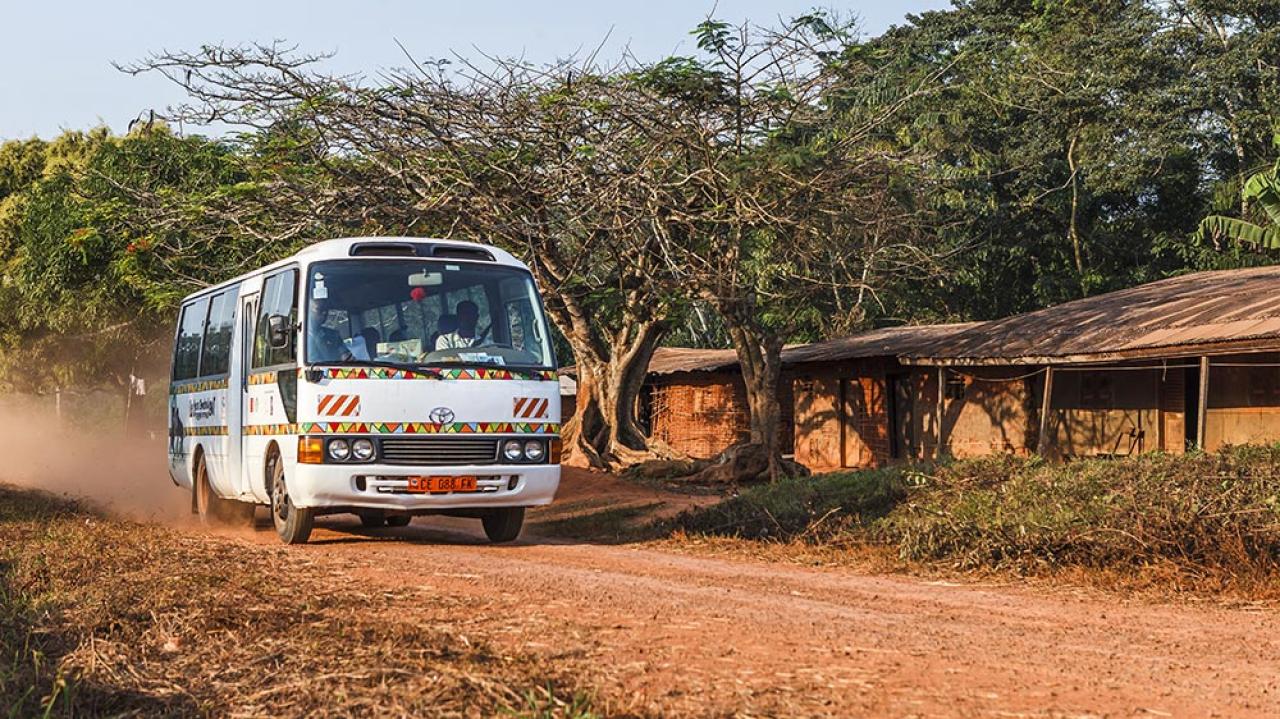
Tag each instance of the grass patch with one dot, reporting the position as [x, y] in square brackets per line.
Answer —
[100, 617]
[1202, 518]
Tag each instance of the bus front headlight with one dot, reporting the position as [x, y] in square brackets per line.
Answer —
[534, 451]
[362, 450]
[513, 450]
[339, 449]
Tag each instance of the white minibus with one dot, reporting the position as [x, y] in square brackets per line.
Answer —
[384, 377]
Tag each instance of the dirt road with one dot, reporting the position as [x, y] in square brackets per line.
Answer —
[676, 634]
[691, 635]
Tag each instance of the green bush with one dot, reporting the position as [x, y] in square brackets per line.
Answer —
[1214, 512]
[790, 508]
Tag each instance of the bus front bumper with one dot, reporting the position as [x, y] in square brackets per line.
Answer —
[376, 486]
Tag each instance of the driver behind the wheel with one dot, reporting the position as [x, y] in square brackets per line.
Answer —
[323, 342]
[465, 335]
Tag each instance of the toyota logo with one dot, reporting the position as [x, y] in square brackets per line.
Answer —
[441, 415]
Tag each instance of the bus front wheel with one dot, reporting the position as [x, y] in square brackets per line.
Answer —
[503, 525]
[293, 524]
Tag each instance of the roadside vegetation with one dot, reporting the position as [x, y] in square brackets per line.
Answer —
[1200, 521]
[100, 617]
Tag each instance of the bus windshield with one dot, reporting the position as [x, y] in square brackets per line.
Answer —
[416, 313]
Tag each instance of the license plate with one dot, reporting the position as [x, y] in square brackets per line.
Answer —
[439, 484]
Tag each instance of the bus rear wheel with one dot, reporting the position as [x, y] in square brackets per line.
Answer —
[211, 508]
[503, 525]
[293, 524]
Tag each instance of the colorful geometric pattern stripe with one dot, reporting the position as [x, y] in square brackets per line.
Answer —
[198, 386]
[453, 373]
[260, 430]
[456, 373]
[211, 431]
[402, 428]
[428, 428]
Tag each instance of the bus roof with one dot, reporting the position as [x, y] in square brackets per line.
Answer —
[380, 246]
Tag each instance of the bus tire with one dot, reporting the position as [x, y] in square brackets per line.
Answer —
[399, 520]
[293, 524]
[503, 525]
[211, 508]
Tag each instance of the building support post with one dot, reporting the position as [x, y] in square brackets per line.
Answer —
[942, 409]
[1202, 407]
[1042, 441]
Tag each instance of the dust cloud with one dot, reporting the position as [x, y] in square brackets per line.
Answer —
[91, 460]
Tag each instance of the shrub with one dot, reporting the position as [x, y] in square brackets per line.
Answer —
[1202, 512]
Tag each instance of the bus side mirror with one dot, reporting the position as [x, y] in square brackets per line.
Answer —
[279, 331]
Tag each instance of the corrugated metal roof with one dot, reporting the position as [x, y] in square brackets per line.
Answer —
[670, 360]
[887, 342]
[1221, 310]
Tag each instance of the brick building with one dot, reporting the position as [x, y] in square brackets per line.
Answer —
[1190, 361]
[695, 402]
[855, 404]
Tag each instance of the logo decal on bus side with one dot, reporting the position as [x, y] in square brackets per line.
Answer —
[530, 408]
[338, 405]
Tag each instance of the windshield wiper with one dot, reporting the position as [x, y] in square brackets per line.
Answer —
[487, 365]
[404, 366]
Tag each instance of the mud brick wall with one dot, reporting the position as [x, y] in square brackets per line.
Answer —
[988, 410]
[842, 414]
[1244, 402]
[700, 414]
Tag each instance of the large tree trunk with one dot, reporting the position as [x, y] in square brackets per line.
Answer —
[605, 431]
[612, 360]
[760, 358]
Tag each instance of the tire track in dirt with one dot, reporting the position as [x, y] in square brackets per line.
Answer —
[693, 635]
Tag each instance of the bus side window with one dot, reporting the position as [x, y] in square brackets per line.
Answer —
[186, 351]
[279, 297]
[520, 317]
[215, 358]
[521, 328]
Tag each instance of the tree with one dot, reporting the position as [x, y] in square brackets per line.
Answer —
[100, 236]
[534, 159]
[1062, 126]
[770, 207]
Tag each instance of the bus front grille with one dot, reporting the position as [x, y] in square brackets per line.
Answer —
[440, 450]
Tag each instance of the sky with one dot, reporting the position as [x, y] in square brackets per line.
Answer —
[55, 60]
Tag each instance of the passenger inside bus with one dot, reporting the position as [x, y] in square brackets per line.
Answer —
[371, 337]
[464, 334]
[447, 324]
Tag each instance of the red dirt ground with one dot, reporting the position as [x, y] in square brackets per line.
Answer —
[687, 635]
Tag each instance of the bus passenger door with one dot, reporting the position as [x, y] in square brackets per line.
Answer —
[238, 391]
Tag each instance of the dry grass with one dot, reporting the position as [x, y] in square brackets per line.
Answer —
[1155, 524]
[100, 617]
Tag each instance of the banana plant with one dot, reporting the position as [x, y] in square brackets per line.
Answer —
[1262, 191]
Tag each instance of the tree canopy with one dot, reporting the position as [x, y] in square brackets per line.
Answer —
[781, 183]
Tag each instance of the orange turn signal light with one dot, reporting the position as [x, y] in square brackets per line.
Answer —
[310, 450]
[557, 447]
